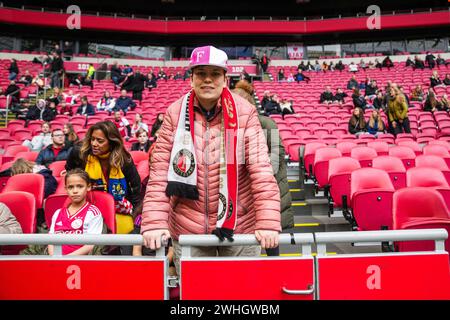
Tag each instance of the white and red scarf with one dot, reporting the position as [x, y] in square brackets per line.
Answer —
[182, 175]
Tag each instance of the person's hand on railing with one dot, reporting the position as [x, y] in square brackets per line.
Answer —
[154, 239]
[267, 238]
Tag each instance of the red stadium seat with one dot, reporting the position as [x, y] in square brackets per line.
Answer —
[28, 182]
[420, 208]
[439, 151]
[406, 154]
[436, 162]
[139, 156]
[102, 200]
[364, 155]
[413, 145]
[346, 147]
[27, 155]
[371, 197]
[339, 177]
[308, 157]
[381, 147]
[321, 161]
[23, 207]
[394, 167]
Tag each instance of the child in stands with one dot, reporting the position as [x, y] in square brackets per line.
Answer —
[80, 217]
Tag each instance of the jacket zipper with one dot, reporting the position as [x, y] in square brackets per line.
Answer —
[206, 176]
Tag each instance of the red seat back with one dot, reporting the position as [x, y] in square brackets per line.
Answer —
[339, 177]
[27, 155]
[28, 182]
[346, 147]
[381, 147]
[13, 150]
[57, 167]
[394, 167]
[23, 207]
[425, 177]
[364, 155]
[321, 161]
[139, 156]
[406, 154]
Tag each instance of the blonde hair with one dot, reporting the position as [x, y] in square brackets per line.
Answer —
[21, 166]
[245, 90]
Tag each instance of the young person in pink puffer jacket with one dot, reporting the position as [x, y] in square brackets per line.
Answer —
[210, 171]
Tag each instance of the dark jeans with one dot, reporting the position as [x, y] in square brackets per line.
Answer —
[400, 127]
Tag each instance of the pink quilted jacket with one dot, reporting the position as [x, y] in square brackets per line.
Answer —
[258, 192]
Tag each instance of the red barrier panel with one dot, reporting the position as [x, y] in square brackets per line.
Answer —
[380, 277]
[245, 279]
[48, 279]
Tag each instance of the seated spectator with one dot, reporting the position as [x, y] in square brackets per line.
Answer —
[378, 64]
[143, 143]
[363, 65]
[325, 66]
[441, 62]
[13, 90]
[157, 124]
[430, 59]
[127, 70]
[123, 103]
[301, 77]
[356, 124]
[397, 112]
[387, 63]
[13, 70]
[352, 67]
[286, 107]
[273, 107]
[56, 97]
[138, 124]
[280, 75]
[331, 66]
[88, 80]
[435, 80]
[56, 151]
[178, 76]
[38, 82]
[116, 74]
[26, 79]
[161, 75]
[417, 94]
[302, 66]
[40, 141]
[339, 96]
[53, 112]
[40, 111]
[326, 96]
[371, 89]
[340, 66]
[409, 63]
[290, 77]
[8, 222]
[65, 109]
[266, 99]
[447, 79]
[445, 103]
[70, 136]
[106, 103]
[352, 83]
[358, 99]
[21, 166]
[89, 216]
[317, 67]
[432, 104]
[151, 82]
[418, 63]
[123, 125]
[70, 98]
[378, 102]
[375, 124]
[309, 66]
[85, 109]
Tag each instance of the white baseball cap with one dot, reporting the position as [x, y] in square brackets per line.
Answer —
[208, 56]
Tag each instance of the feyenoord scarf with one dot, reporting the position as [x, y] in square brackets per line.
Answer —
[182, 175]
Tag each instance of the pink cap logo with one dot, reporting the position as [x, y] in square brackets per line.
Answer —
[208, 55]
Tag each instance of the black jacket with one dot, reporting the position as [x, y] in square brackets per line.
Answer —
[13, 68]
[326, 96]
[90, 111]
[129, 171]
[359, 101]
[435, 82]
[340, 96]
[57, 65]
[137, 147]
[116, 72]
[47, 156]
[34, 113]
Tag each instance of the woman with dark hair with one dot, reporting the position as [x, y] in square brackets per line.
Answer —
[110, 167]
[71, 137]
[356, 124]
[158, 122]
